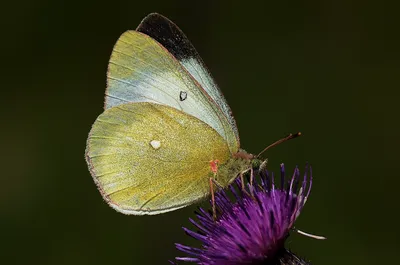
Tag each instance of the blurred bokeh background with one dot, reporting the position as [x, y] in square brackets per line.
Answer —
[329, 69]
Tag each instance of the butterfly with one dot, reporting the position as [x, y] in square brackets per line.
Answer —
[167, 134]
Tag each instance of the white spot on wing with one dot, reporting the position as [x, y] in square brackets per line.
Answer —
[155, 144]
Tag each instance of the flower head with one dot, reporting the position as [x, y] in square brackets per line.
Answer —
[252, 228]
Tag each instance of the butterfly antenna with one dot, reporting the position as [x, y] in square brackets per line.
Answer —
[290, 136]
[309, 235]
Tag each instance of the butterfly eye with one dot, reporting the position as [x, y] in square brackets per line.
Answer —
[182, 95]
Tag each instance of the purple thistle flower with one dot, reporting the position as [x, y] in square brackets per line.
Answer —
[253, 228]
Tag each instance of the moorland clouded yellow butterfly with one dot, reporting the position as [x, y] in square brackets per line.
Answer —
[166, 132]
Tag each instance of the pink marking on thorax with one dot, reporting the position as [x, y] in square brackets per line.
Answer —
[214, 165]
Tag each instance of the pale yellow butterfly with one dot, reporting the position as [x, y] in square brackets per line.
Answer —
[167, 130]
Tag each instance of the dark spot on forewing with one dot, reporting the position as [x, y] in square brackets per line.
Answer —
[182, 95]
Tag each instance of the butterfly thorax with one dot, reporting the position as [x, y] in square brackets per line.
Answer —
[231, 169]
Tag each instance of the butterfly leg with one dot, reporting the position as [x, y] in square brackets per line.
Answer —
[241, 174]
[214, 170]
[251, 176]
[251, 181]
[213, 199]
[264, 164]
[242, 180]
[217, 184]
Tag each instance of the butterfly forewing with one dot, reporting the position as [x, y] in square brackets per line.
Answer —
[142, 70]
[175, 41]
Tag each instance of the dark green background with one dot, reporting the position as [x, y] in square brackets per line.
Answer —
[328, 69]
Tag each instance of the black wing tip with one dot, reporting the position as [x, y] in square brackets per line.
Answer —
[151, 17]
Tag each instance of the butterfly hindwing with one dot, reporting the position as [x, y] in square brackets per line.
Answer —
[148, 158]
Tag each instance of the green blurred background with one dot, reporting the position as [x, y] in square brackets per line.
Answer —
[329, 69]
